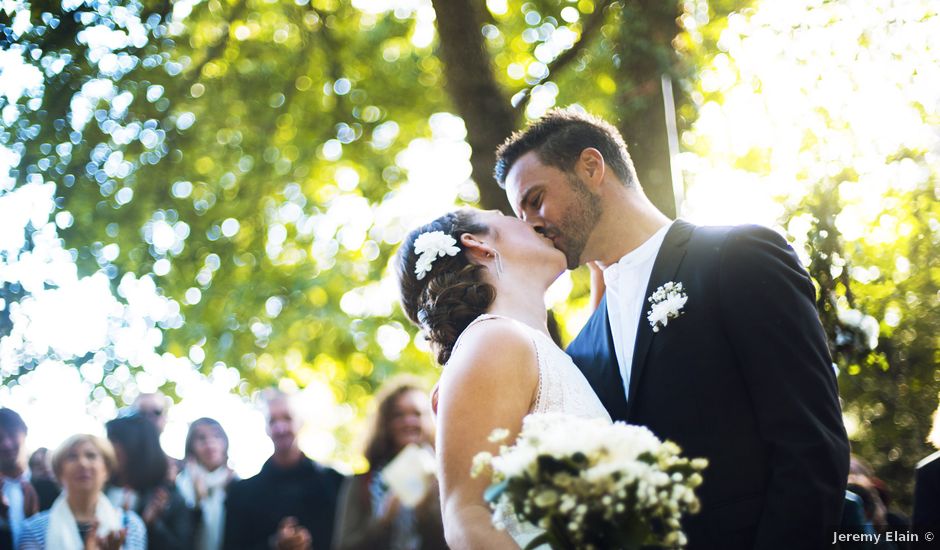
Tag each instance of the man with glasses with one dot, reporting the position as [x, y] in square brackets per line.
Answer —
[154, 408]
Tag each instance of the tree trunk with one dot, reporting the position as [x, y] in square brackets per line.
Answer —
[490, 118]
[647, 141]
[477, 96]
[645, 46]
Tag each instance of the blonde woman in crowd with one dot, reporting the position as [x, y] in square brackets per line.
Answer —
[82, 517]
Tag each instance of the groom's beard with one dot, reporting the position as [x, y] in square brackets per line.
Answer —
[576, 224]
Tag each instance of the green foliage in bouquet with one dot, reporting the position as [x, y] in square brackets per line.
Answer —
[590, 484]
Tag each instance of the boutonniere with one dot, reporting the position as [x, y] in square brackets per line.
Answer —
[667, 303]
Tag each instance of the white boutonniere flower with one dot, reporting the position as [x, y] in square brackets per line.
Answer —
[667, 303]
[429, 247]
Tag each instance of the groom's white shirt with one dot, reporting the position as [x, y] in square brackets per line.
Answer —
[626, 283]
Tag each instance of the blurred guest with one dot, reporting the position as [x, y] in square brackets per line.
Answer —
[927, 484]
[82, 517]
[874, 494]
[139, 484]
[155, 407]
[42, 479]
[862, 482]
[370, 515]
[19, 498]
[895, 520]
[39, 465]
[872, 519]
[204, 480]
[291, 503]
[854, 522]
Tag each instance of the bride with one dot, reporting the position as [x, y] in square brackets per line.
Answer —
[475, 281]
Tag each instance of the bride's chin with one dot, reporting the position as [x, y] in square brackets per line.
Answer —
[560, 261]
[550, 265]
[547, 272]
[558, 269]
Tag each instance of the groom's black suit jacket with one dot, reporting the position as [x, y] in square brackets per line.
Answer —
[743, 377]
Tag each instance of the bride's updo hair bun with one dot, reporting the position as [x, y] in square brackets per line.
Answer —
[453, 293]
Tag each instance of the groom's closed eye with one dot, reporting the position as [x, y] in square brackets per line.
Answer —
[535, 200]
[531, 199]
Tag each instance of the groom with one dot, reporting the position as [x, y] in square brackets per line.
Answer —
[739, 372]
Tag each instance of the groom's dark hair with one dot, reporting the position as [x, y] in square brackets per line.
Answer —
[559, 137]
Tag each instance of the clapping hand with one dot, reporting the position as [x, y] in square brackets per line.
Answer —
[156, 506]
[390, 507]
[292, 536]
[112, 541]
[430, 504]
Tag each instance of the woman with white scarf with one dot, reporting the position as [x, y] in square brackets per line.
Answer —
[82, 518]
[204, 480]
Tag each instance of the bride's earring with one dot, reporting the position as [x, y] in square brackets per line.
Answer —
[499, 261]
[499, 264]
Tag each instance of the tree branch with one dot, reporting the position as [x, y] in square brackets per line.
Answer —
[591, 27]
[216, 50]
[477, 96]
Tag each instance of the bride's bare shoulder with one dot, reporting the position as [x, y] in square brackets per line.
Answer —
[497, 348]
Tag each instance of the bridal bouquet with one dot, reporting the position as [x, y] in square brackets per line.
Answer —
[587, 483]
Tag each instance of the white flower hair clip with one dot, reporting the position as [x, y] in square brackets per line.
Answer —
[429, 247]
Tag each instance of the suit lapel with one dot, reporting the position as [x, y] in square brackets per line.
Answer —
[593, 352]
[615, 396]
[664, 269]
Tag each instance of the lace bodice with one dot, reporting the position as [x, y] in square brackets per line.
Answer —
[562, 389]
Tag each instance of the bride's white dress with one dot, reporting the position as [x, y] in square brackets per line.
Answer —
[562, 389]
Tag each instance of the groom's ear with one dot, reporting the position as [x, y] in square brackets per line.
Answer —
[590, 167]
